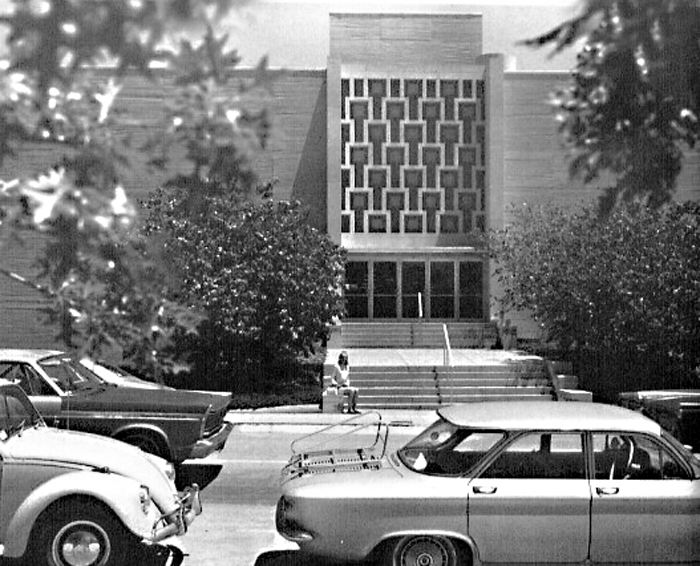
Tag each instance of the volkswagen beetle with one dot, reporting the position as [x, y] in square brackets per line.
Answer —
[69, 498]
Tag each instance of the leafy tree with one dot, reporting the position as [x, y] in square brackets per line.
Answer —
[632, 105]
[65, 65]
[621, 295]
[268, 282]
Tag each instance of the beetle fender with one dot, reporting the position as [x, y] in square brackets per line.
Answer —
[119, 493]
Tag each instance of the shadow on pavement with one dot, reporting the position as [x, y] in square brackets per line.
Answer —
[285, 558]
[294, 558]
[202, 474]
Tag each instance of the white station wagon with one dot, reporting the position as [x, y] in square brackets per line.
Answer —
[501, 482]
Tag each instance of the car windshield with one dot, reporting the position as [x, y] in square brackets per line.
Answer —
[444, 449]
[69, 374]
[16, 411]
[692, 458]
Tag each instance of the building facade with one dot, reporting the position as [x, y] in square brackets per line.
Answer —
[407, 148]
[414, 163]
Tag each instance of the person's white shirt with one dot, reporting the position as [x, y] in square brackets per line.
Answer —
[340, 377]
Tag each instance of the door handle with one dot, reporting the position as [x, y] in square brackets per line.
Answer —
[486, 489]
[607, 490]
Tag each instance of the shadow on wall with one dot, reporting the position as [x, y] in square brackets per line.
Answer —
[311, 177]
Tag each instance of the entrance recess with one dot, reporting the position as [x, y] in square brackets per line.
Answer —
[449, 289]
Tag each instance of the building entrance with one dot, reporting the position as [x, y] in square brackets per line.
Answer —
[446, 289]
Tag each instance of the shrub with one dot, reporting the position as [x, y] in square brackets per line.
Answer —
[622, 294]
[268, 282]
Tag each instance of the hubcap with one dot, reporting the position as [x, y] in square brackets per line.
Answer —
[425, 551]
[80, 544]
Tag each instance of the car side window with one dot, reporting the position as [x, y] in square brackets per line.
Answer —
[25, 376]
[541, 455]
[635, 457]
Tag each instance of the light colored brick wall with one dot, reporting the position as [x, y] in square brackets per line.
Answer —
[295, 155]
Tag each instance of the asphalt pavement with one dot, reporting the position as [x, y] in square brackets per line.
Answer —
[311, 415]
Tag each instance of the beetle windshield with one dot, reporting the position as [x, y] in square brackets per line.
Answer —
[444, 449]
[69, 374]
[16, 411]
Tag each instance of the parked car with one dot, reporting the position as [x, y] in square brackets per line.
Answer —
[499, 482]
[173, 424]
[71, 498]
[677, 410]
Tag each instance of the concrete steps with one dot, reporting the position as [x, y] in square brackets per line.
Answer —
[417, 335]
[429, 387]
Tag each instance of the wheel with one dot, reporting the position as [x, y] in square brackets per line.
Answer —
[80, 533]
[425, 550]
[147, 442]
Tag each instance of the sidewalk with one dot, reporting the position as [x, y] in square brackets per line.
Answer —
[312, 415]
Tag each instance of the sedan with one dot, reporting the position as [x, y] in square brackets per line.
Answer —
[677, 410]
[173, 424]
[499, 482]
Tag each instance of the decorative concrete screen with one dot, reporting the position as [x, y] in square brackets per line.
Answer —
[413, 155]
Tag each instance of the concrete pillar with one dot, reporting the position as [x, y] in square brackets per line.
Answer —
[333, 190]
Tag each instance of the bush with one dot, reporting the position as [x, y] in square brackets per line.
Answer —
[268, 282]
[621, 295]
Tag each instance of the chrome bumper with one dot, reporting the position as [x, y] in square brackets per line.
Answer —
[206, 446]
[177, 522]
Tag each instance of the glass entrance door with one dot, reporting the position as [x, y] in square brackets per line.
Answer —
[357, 289]
[412, 289]
[442, 289]
[385, 289]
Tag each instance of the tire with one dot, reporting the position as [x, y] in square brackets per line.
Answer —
[425, 550]
[148, 442]
[81, 532]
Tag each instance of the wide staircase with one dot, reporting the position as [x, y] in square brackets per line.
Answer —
[430, 387]
[425, 365]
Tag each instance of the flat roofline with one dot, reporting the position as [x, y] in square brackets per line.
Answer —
[368, 15]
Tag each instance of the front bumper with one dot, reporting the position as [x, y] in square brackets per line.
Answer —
[177, 522]
[214, 443]
[286, 524]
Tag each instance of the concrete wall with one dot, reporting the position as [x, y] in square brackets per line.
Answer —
[390, 40]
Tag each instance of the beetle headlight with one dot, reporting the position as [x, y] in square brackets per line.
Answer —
[145, 499]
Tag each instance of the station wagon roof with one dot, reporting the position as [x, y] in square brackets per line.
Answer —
[534, 415]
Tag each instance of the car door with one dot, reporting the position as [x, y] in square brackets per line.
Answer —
[645, 503]
[531, 504]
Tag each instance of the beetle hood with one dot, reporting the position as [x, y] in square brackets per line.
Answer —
[49, 446]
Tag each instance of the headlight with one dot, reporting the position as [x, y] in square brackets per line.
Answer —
[145, 499]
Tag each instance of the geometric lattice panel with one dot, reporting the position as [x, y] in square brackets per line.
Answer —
[413, 155]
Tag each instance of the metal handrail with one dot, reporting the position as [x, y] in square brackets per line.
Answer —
[447, 360]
